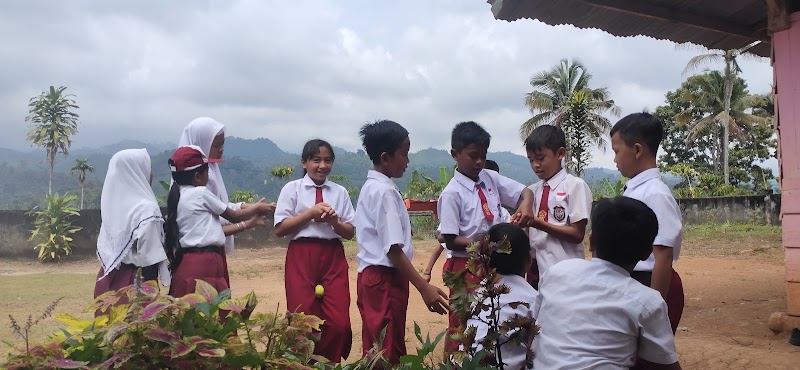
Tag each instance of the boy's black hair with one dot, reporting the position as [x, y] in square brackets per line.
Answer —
[466, 133]
[513, 263]
[546, 136]
[491, 165]
[380, 137]
[623, 230]
[312, 148]
[643, 128]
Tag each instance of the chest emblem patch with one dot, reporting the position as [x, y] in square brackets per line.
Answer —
[559, 213]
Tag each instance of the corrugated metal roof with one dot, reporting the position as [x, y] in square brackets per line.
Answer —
[746, 17]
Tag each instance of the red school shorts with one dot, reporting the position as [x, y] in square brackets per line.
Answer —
[383, 303]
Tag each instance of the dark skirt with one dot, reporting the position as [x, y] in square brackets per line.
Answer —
[207, 264]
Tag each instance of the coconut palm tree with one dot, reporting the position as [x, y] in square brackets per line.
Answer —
[53, 120]
[731, 69]
[562, 97]
[80, 167]
[707, 93]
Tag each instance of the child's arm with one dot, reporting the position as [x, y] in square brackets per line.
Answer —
[662, 269]
[238, 227]
[344, 229]
[426, 274]
[292, 225]
[435, 299]
[244, 214]
[573, 233]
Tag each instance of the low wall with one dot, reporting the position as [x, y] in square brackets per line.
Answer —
[760, 209]
[15, 226]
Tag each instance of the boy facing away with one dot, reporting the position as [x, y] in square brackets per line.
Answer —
[562, 202]
[591, 313]
[512, 267]
[473, 201]
[384, 244]
[635, 140]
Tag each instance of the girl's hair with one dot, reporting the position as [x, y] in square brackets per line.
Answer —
[312, 148]
[172, 241]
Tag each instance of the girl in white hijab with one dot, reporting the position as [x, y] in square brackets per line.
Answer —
[209, 136]
[132, 231]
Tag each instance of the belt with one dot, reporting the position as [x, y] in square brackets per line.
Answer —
[206, 249]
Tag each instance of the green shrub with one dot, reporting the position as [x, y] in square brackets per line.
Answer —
[53, 226]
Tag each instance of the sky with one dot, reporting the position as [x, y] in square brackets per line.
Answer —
[295, 70]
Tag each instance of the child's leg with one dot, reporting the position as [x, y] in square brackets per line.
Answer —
[337, 334]
[383, 302]
[302, 275]
[453, 265]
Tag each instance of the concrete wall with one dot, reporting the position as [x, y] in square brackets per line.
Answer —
[758, 209]
[15, 226]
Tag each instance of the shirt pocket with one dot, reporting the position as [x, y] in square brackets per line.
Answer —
[560, 207]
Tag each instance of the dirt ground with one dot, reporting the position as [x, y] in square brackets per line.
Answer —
[732, 285]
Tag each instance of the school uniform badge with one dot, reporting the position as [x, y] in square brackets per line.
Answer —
[559, 213]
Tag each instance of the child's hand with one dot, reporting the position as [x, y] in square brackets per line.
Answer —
[319, 210]
[256, 221]
[330, 216]
[265, 208]
[435, 299]
[524, 216]
[426, 276]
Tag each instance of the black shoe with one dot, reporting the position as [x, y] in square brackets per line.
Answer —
[795, 338]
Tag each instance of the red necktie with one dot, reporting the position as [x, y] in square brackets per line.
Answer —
[484, 204]
[319, 195]
[543, 207]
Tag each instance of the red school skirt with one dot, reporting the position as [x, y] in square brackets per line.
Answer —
[122, 276]
[207, 264]
[311, 262]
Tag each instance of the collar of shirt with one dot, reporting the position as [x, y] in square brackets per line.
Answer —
[307, 181]
[556, 179]
[468, 182]
[642, 178]
[611, 266]
[380, 177]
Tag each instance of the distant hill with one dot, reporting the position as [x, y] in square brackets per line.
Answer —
[246, 167]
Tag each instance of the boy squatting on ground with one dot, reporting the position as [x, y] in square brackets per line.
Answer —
[591, 313]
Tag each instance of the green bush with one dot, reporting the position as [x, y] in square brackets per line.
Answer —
[53, 226]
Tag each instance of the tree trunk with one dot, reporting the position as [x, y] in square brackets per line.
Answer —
[81, 195]
[726, 119]
[51, 156]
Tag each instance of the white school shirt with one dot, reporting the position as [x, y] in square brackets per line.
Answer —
[199, 213]
[382, 221]
[593, 315]
[648, 188]
[459, 206]
[300, 195]
[514, 354]
[570, 201]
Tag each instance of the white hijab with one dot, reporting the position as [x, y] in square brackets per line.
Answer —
[201, 132]
[127, 203]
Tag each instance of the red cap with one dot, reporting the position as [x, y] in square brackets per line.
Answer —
[189, 157]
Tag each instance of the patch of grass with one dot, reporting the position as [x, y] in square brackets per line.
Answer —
[250, 272]
[729, 239]
[24, 295]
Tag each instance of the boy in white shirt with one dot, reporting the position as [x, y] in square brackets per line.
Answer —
[384, 244]
[562, 202]
[635, 140]
[472, 202]
[512, 268]
[591, 314]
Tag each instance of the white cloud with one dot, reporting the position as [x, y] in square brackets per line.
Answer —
[291, 71]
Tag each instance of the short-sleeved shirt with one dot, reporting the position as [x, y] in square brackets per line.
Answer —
[648, 188]
[382, 221]
[514, 354]
[569, 201]
[592, 314]
[459, 206]
[199, 213]
[300, 195]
